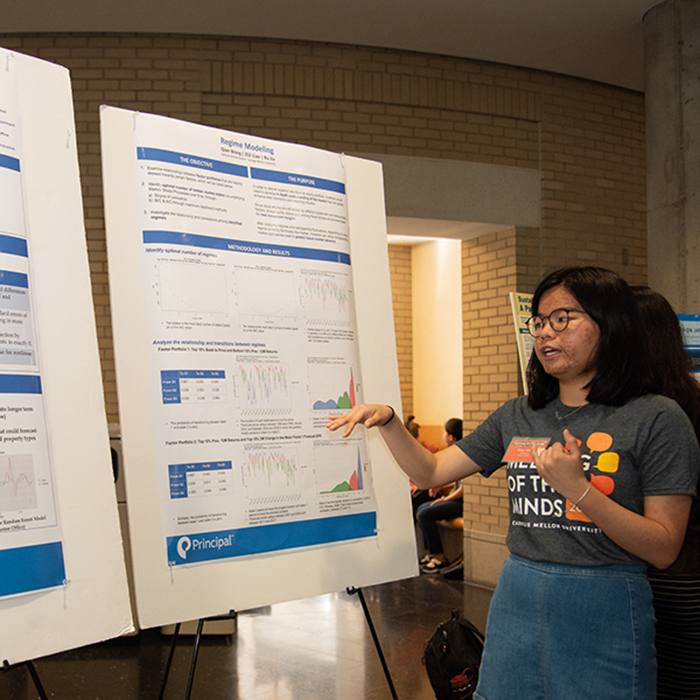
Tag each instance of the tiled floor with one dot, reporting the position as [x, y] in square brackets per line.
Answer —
[314, 649]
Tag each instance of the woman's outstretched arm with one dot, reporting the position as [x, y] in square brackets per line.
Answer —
[425, 468]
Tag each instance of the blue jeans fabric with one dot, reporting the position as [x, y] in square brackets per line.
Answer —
[569, 633]
[428, 515]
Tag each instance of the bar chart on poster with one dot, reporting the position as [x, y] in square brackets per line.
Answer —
[239, 268]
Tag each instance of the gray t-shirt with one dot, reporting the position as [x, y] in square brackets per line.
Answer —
[644, 448]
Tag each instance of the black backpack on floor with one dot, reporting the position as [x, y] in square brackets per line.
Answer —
[452, 656]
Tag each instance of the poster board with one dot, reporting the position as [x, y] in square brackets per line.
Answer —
[521, 306]
[690, 328]
[62, 581]
[147, 163]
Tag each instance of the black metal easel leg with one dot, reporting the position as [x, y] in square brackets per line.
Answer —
[37, 682]
[173, 644]
[195, 652]
[32, 672]
[377, 645]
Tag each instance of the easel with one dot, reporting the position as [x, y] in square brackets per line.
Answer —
[375, 638]
[232, 614]
[32, 672]
[195, 652]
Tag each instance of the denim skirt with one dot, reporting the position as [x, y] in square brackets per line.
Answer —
[559, 632]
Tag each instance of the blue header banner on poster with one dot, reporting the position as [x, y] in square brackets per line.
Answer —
[198, 241]
[9, 162]
[34, 568]
[209, 546]
[298, 180]
[174, 158]
[13, 246]
[20, 384]
[14, 279]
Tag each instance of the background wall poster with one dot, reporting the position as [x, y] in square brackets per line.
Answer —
[690, 327]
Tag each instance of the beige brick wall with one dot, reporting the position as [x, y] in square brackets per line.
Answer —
[400, 271]
[586, 139]
[490, 360]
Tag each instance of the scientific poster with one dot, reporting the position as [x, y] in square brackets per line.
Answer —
[31, 548]
[252, 342]
[690, 327]
[521, 305]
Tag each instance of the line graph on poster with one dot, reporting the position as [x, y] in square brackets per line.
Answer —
[272, 474]
[262, 385]
[18, 490]
[326, 296]
[192, 287]
[265, 292]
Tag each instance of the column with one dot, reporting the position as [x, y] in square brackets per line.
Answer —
[672, 87]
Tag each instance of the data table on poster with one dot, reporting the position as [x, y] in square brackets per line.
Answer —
[183, 386]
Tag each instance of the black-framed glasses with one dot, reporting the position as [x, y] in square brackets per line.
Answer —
[558, 321]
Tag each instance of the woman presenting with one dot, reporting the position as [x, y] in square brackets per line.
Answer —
[601, 474]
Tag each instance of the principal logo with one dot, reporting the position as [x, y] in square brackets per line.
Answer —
[184, 544]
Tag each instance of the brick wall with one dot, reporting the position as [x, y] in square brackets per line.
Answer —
[586, 139]
[490, 360]
[401, 280]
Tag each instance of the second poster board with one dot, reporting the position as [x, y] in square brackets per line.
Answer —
[62, 577]
[250, 297]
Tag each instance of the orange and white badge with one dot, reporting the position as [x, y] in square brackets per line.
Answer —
[520, 448]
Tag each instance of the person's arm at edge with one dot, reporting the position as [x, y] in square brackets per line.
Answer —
[427, 469]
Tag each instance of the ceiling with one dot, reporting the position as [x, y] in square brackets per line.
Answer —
[599, 40]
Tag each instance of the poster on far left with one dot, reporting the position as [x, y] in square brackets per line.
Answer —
[63, 580]
[31, 547]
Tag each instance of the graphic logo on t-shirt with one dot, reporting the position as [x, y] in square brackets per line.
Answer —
[607, 463]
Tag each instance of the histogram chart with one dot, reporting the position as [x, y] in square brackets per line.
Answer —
[326, 297]
[343, 399]
[17, 484]
[188, 287]
[263, 386]
[339, 469]
[277, 299]
[272, 475]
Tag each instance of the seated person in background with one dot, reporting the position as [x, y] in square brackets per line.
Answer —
[446, 504]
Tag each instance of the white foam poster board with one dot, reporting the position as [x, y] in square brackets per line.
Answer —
[62, 575]
[250, 298]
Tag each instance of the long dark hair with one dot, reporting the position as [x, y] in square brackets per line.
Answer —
[621, 364]
[670, 361]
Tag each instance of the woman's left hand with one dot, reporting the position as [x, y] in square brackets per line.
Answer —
[561, 467]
